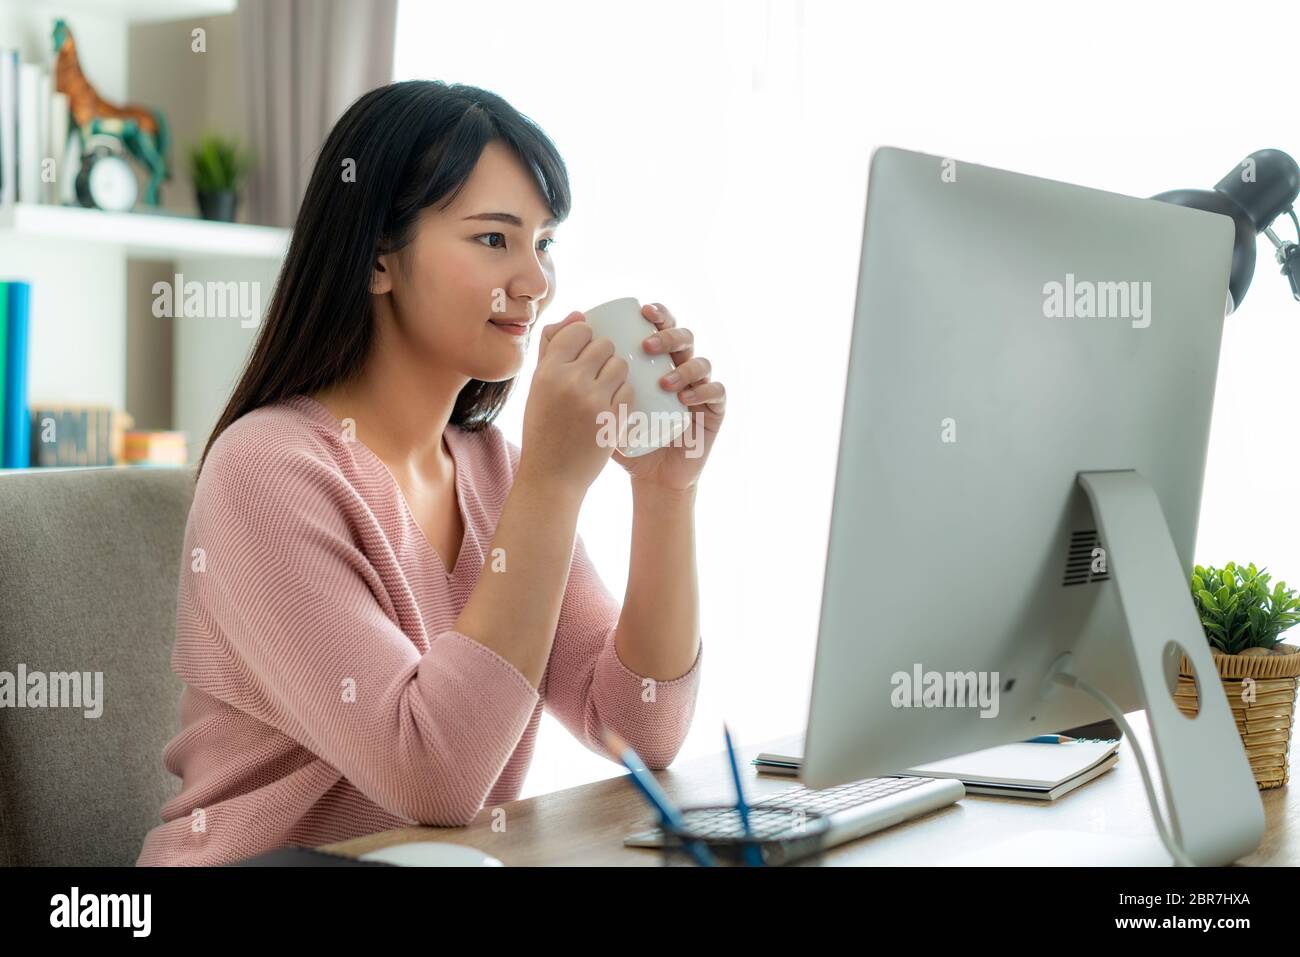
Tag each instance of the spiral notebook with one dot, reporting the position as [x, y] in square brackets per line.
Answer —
[1037, 771]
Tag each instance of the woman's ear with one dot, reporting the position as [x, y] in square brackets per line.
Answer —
[381, 279]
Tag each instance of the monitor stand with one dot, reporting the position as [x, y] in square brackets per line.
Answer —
[1215, 812]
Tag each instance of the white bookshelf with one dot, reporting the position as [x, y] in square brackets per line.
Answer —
[142, 235]
[95, 339]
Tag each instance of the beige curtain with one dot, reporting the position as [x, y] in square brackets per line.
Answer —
[304, 63]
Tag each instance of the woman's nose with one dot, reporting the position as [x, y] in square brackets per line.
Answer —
[532, 284]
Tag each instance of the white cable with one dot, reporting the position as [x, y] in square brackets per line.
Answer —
[1071, 681]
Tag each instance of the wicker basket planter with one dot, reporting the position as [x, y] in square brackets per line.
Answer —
[1265, 723]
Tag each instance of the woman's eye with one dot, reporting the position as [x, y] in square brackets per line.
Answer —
[502, 236]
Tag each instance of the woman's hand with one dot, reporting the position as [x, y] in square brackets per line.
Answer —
[578, 379]
[678, 466]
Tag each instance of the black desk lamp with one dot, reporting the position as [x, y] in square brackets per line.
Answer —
[1262, 188]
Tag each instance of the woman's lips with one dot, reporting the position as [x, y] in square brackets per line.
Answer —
[513, 328]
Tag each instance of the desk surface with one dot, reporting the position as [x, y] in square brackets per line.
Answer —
[585, 825]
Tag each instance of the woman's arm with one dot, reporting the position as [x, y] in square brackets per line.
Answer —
[657, 633]
[515, 606]
[658, 630]
[588, 687]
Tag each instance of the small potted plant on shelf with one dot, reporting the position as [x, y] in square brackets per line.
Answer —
[218, 167]
[1243, 622]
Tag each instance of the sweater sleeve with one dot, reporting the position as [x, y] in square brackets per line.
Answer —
[587, 687]
[317, 647]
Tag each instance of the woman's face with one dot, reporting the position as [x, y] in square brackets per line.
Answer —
[473, 267]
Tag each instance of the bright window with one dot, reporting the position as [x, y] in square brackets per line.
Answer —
[718, 153]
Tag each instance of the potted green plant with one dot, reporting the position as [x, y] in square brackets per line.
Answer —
[218, 166]
[1243, 622]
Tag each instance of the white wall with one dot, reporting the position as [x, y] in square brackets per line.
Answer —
[200, 92]
[209, 353]
[719, 151]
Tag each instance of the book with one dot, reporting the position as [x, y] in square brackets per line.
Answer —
[64, 435]
[1038, 771]
[8, 126]
[71, 168]
[30, 146]
[35, 127]
[155, 447]
[4, 350]
[58, 143]
[44, 156]
[17, 427]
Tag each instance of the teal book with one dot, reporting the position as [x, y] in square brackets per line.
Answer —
[18, 423]
[4, 351]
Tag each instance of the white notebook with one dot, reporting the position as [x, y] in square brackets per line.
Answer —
[1040, 771]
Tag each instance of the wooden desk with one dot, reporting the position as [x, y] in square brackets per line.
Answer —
[585, 825]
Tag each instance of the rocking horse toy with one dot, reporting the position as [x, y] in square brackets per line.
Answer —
[141, 130]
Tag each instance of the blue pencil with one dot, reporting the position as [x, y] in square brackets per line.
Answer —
[644, 781]
[752, 854]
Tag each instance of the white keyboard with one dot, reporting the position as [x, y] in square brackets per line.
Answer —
[857, 808]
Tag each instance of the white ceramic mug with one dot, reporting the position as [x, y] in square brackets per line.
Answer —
[656, 416]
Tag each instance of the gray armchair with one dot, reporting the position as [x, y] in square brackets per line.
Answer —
[90, 563]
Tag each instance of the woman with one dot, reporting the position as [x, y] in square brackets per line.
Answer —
[380, 593]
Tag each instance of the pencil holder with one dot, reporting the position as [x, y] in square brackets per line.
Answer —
[1261, 693]
[780, 836]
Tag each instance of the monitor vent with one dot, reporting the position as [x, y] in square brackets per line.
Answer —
[1078, 562]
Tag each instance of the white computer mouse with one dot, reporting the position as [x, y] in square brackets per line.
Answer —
[432, 854]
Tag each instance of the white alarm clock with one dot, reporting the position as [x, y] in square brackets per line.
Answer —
[106, 180]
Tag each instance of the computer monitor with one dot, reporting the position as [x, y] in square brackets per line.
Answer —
[1020, 465]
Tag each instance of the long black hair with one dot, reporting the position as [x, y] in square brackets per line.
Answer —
[410, 145]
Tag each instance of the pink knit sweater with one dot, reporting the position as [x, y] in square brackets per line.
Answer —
[327, 694]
